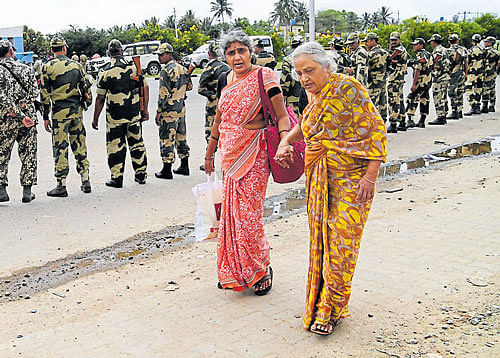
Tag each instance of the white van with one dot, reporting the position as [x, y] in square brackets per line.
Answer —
[266, 40]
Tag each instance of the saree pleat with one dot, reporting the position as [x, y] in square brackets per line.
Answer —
[343, 131]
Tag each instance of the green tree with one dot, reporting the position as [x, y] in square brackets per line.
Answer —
[366, 21]
[221, 7]
[385, 15]
[169, 22]
[188, 21]
[35, 41]
[241, 23]
[491, 23]
[331, 20]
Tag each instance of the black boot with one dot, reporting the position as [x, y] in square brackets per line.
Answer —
[184, 168]
[28, 196]
[4, 196]
[477, 109]
[115, 182]
[410, 123]
[484, 109]
[421, 122]
[58, 192]
[140, 178]
[453, 114]
[491, 108]
[470, 112]
[402, 126]
[439, 121]
[393, 128]
[85, 187]
[460, 115]
[165, 172]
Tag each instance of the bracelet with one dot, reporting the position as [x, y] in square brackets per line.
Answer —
[369, 181]
[214, 138]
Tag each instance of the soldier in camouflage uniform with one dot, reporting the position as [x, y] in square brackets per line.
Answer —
[65, 91]
[37, 66]
[171, 113]
[340, 56]
[397, 65]
[422, 81]
[377, 68]
[458, 65]
[359, 60]
[18, 92]
[474, 79]
[440, 78]
[264, 58]
[492, 68]
[289, 86]
[119, 82]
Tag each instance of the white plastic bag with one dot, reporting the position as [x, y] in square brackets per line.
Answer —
[209, 200]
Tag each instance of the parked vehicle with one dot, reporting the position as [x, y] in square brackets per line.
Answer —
[266, 41]
[199, 58]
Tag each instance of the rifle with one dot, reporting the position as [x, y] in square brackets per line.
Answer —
[85, 98]
[140, 79]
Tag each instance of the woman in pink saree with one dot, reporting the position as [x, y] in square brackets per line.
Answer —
[242, 247]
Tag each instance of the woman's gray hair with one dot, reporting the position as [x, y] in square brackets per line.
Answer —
[319, 55]
[235, 36]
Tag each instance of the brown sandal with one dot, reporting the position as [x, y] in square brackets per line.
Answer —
[258, 285]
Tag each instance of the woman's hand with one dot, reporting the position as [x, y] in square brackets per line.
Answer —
[209, 165]
[284, 155]
[366, 190]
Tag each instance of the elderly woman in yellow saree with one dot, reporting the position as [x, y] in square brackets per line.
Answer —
[345, 146]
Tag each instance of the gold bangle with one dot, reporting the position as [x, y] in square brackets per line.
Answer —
[369, 181]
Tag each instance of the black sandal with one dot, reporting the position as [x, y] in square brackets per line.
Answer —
[267, 277]
[333, 323]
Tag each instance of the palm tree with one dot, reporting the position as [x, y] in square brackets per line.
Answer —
[366, 19]
[169, 22]
[302, 12]
[284, 11]
[188, 20]
[385, 15]
[221, 7]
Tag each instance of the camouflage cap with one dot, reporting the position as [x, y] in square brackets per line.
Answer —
[371, 36]
[352, 38]
[395, 36]
[258, 43]
[476, 37]
[115, 45]
[435, 37]
[164, 48]
[337, 41]
[75, 58]
[453, 37]
[5, 45]
[83, 58]
[491, 39]
[213, 47]
[35, 55]
[57, 41]
[297, 40]
[418, 41]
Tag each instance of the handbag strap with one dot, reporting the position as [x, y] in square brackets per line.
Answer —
[267, 106]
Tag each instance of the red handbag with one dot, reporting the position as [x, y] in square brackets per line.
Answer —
[296, 169]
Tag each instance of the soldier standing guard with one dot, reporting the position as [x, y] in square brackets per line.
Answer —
[458, 67]
[65, 90]
[359, 60]
[422, 81]
[377, 68]
[119, 82]
[440, 78]
[474, 79]
[18, 92]
[264, 58]
[397, 64]
[492, 68]
[290, 87]
[342, 58]
[171, 113]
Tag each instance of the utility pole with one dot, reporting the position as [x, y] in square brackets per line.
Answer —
[312, 21]
[175, 24]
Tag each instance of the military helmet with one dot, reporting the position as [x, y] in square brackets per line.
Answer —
[57, 41]
[476, 37]
[297, 40]
[352, 38]
[164, 48]
[395, 36]
[83, 58]
[5, 46]
[258, 43]
[371, 36]
[337, 41]
[75, 57]
[213, 47]
[35, 55]
[453, 37]
[418, 41]
[436, 37]
[491, 39]
[115, 46]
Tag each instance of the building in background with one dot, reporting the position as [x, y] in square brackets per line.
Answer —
[15, 36]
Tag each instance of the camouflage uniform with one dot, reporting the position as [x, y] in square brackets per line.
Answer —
[491, 58]
[174, 82]
[440, 78]
[377, 79]
[37, 68]
[123, 117]
[208, 88]
[61, 84]
[474, 82]
[266, 59]
[13, 98]
[397, 70]
[456, 89]
[337, 47]
[423, 63]
[359, 60]
[290, 87]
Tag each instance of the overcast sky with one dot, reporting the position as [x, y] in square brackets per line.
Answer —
[50, 16]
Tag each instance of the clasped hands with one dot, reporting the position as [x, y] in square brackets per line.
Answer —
[284, 155]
